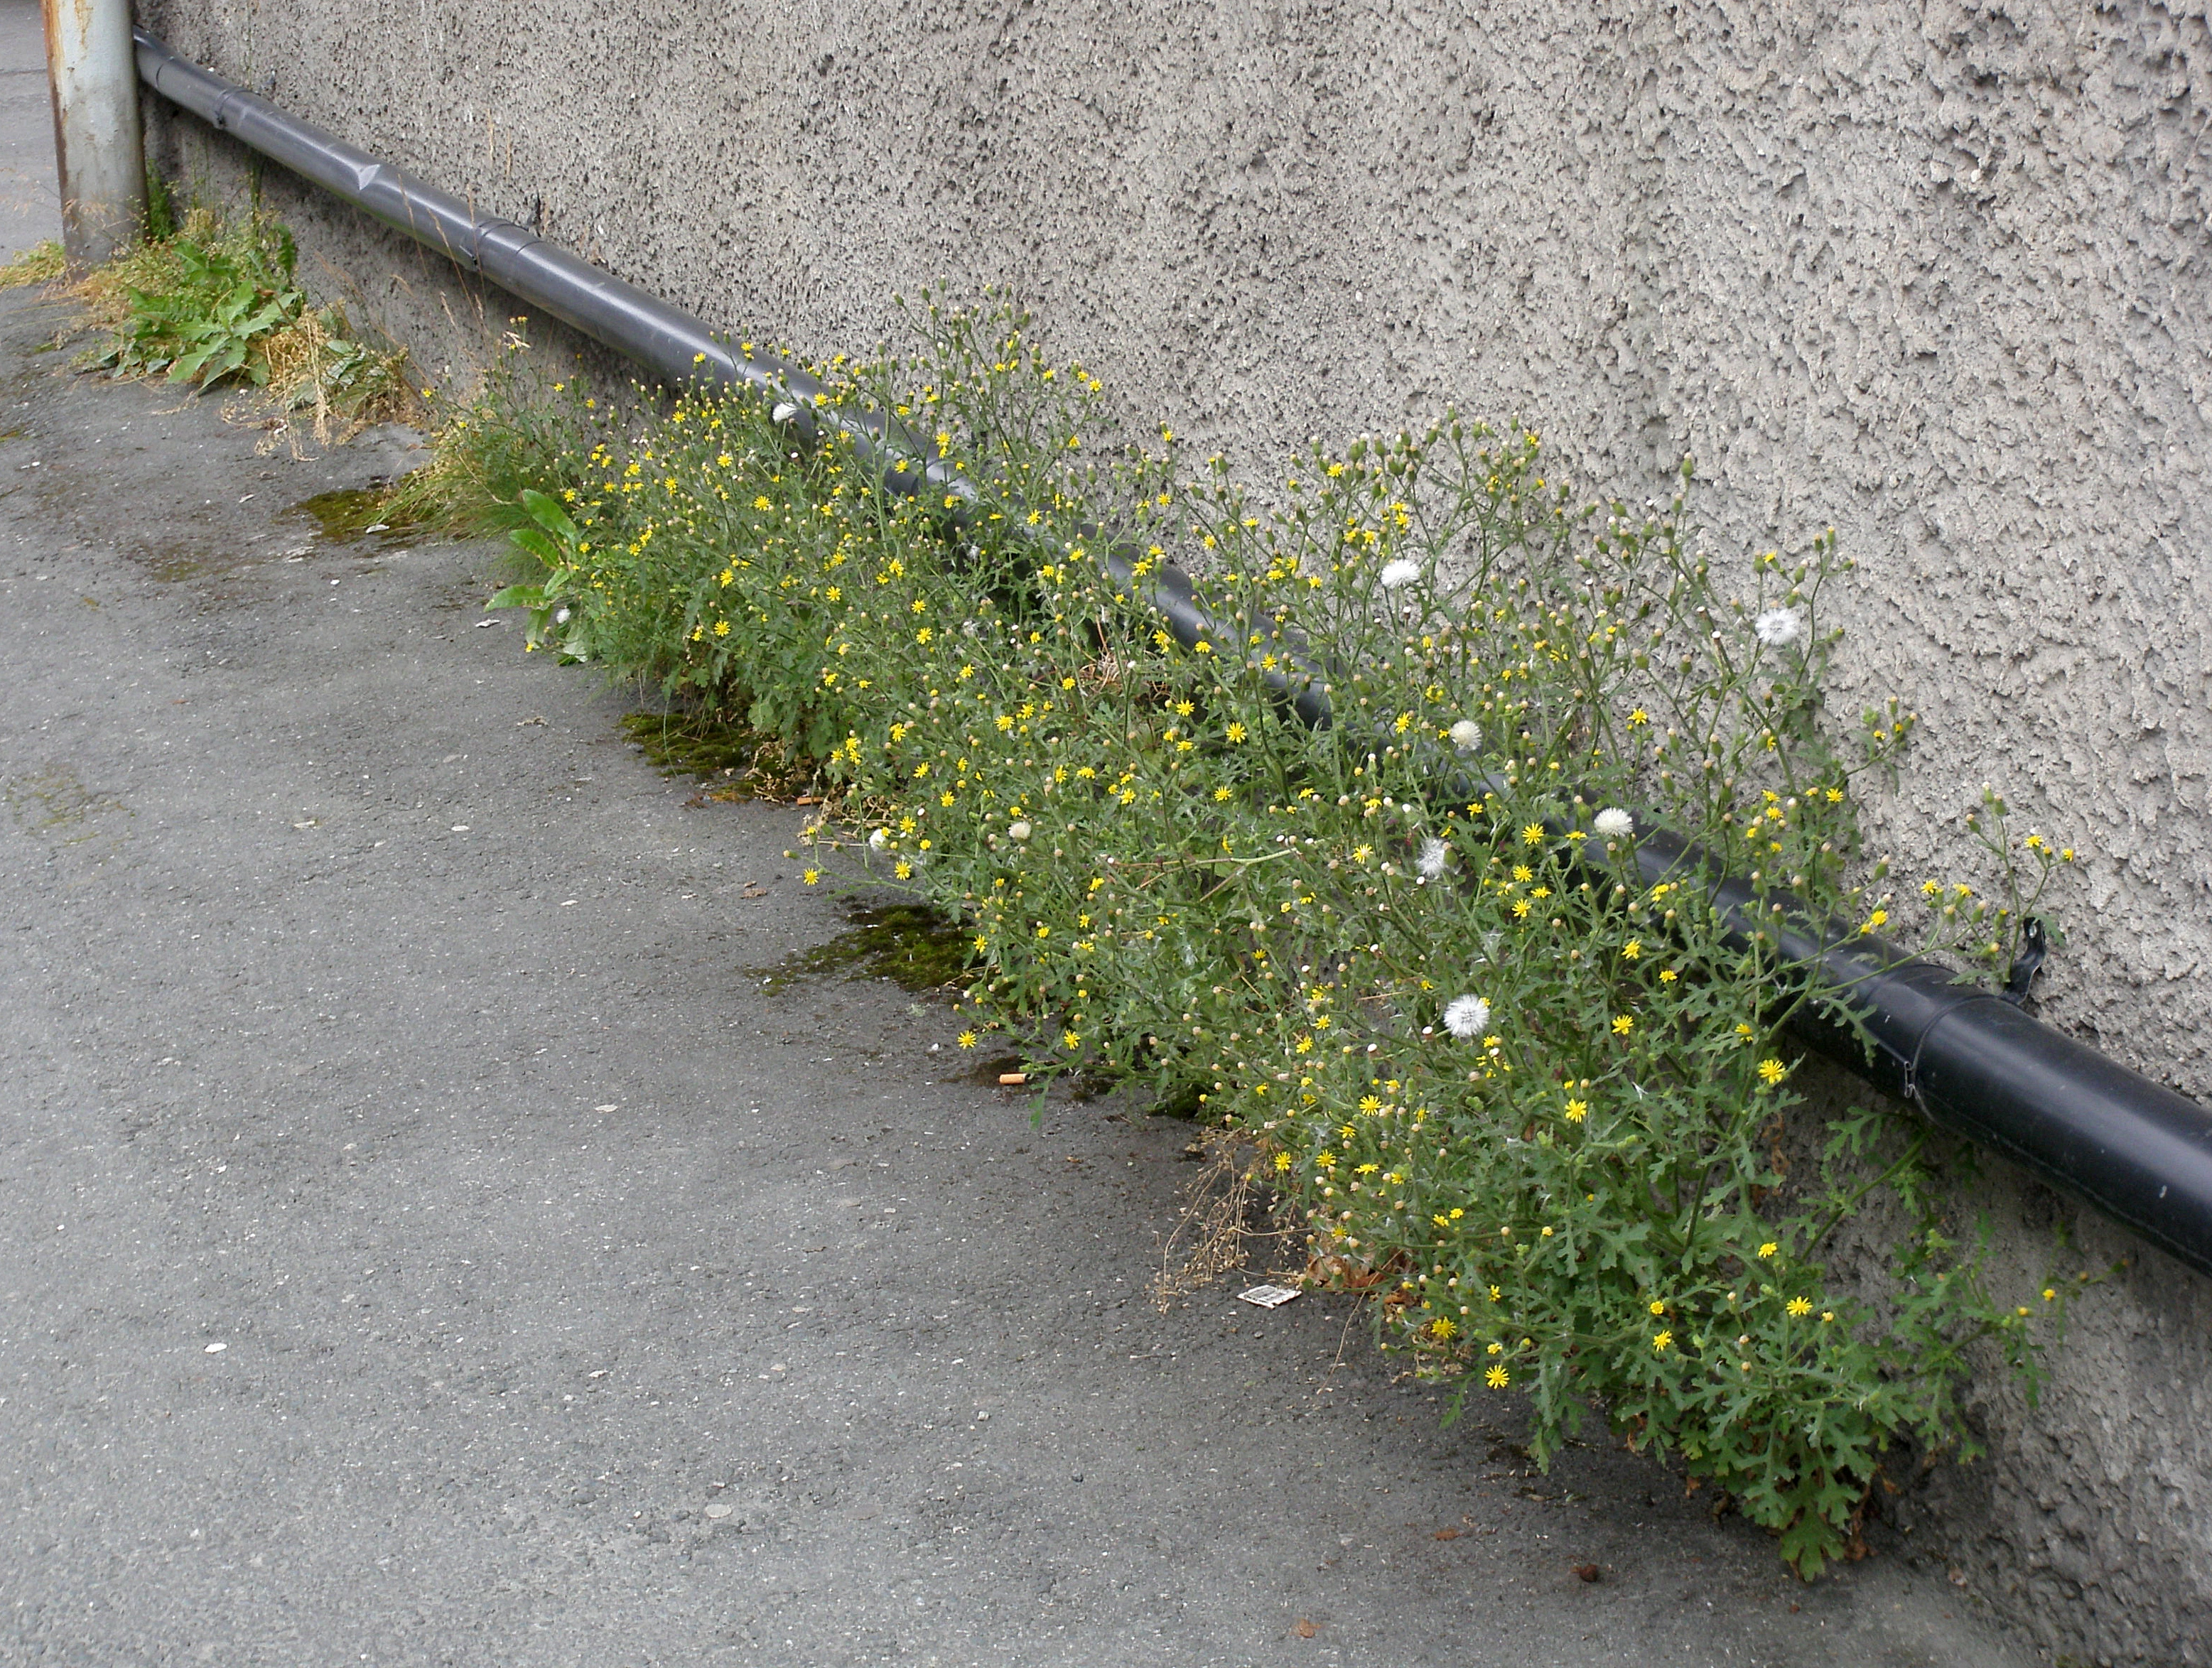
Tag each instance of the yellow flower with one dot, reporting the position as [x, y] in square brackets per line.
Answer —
[1441, 1327]
[1639, 717]
[1769, 1249]
[1773, 1071]
[1661, 1340]
[1622, 1025]
[1533, 835]
[966, 1039]
[1576, 1111]
[811, 875]
[722, 628]
[761, 503]
[1658, 1307]
[1498, 1378]
[1798, 1306]
[1236, 733]
[1282, 1161]
[1632, 948]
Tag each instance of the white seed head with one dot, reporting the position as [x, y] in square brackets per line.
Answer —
[878, 839]
[1779, 627]
[1466, 1017]
[1017, 831]
[1466, 733]
[1399, 573]
[1614, 823]
[1434, 855]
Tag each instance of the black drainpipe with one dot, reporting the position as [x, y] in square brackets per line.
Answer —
[1974, 1062]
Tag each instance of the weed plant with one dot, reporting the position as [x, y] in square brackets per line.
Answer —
[43, 263]
[211, 303]
[517, 440]
[1526, 1099]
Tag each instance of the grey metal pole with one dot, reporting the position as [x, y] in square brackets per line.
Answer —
[92, 70]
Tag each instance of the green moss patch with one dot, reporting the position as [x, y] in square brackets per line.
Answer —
[915, 947]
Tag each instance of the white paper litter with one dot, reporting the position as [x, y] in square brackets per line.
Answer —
[1267, 1297]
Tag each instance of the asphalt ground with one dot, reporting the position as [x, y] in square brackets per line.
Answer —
[424, 1238]
[30, 201]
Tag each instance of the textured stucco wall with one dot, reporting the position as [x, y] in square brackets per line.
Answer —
[1934, 275]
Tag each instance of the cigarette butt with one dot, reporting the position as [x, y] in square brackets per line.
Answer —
[1012, 1079]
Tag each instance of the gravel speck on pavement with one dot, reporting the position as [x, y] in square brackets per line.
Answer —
[423, 1240]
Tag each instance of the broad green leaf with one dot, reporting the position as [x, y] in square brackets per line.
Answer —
[548, 514]
[530, 539]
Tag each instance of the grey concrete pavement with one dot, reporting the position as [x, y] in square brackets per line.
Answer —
[422, 1239]
[30, 202]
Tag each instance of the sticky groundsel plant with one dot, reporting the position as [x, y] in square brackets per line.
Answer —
[1530, 1103]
